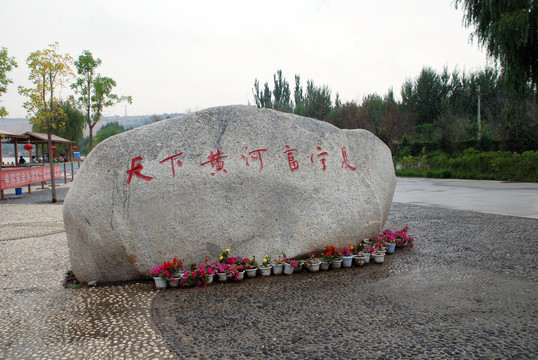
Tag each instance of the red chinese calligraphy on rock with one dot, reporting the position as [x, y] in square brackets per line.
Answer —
[136, 169]
[255, 155]
[171, 158]
[294, 164]
[215, 159]
[345, 163]
[321, 157]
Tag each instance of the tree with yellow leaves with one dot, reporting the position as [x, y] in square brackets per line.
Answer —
[49, 72]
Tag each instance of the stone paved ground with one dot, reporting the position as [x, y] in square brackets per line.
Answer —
[40, 319]
[468, 290]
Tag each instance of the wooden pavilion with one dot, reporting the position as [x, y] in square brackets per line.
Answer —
[14, 176]
[36, 139]
[41, 139]
[11, 138]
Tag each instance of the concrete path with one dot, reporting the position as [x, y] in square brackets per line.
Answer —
[490, 197]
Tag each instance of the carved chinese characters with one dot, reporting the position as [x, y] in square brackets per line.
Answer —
[216, 160]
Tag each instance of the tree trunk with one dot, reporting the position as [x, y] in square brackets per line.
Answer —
[91, 138]
[51, 164]
[49, 143]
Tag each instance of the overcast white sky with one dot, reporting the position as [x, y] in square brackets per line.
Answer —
[178, 56]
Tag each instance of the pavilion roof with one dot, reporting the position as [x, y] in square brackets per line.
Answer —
[9, 134]
[36, 138]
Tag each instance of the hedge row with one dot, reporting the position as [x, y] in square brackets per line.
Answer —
[472, 164]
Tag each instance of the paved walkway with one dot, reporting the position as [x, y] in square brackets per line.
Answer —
[491, 197]
[467, 290]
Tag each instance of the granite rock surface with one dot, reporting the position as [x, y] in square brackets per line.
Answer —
[256, 181]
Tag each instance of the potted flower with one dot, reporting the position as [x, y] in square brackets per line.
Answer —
[403, 239]
[389, 238]
[299, 267]
[161, 276]
[278, 265]
[313, 263]
[208, 271]
[199, 275]
[265, 267]
[367, 252]
[370, 241]
[379, 256]
[174, 269]
[327, 257]
[251, 267]
[223, 270]
[336, 263]
[380, 243]
[237, 270]
[359, 259]
[224, 256]
[347, 255]
[290, 266]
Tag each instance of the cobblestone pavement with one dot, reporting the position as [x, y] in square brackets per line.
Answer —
[467, 290]
[40, 319]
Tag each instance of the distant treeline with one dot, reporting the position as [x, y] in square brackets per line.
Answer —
[437, 111]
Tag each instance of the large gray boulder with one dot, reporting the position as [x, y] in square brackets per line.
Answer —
[134, 204]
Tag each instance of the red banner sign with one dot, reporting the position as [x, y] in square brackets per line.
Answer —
[16, 177]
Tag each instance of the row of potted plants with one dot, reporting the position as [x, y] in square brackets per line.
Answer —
[230, 268]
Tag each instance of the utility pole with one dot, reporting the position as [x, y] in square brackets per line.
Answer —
[478, 115]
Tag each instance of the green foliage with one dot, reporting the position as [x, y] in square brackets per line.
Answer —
[315, 103]
[509, 32]
[472, 164]
[94, 90]
[298, 96]
[6, 65]
[69, 125]
[438, 111]
[107, 131]
[281, 93]
[49, 71]
[426, 96]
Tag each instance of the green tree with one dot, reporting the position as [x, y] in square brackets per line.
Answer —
[263, 97]
[107, 131]
[372, 110]
[427, 96]
[298, 96]
[317, 103]
[6, 65]
[94, 90]
[509, 32]
[49, 71]
[281, 93]
[69, 126]
[345, 116]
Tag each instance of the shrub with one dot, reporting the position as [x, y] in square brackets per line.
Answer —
[472, 164]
